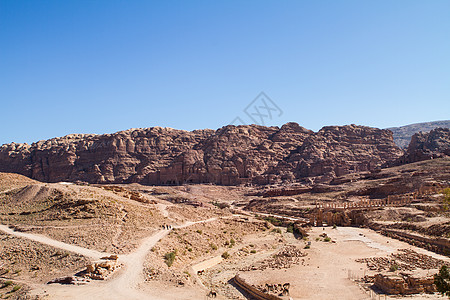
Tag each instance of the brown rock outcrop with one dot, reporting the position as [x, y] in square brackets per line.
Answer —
[338, 150]
[428, 145]
[231, 155]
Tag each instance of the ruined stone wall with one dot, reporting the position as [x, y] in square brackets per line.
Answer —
[404, 285]
[254, 292]
[438, 245]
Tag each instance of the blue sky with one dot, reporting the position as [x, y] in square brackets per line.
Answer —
[104, 66]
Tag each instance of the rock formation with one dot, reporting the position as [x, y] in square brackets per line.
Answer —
[428, 145]
[403, 134]
[230, 155]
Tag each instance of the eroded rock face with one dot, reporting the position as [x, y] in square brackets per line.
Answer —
[230, 155]
[428, 145]
[338, 150]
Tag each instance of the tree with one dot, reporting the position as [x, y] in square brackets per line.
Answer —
[442, 281]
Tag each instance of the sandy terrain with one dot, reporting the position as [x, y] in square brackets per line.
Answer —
[62, 227]
[330, 267]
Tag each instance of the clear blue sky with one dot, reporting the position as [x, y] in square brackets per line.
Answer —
[104, 66]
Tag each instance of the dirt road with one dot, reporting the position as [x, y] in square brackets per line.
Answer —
[124, 285]
[93, 254]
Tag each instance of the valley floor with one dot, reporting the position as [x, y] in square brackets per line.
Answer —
[326, 272]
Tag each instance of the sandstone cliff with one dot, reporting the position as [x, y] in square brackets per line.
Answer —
[428, 145]
[230, 155]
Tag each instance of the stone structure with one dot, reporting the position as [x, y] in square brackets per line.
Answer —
[346, 213]
[253, 291]
[438, 245]
[404, 284]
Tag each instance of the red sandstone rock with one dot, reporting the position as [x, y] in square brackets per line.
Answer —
[428, 145]
[230, 155]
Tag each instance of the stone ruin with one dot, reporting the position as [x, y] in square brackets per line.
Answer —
[404, 259]
[284, 259]
[404, 284]
[101, 270]
[405, 281]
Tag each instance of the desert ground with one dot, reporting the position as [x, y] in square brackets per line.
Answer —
[129, 241]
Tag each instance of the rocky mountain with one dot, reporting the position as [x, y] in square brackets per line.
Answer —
[403, 134]
[428, 145]
[230, 155]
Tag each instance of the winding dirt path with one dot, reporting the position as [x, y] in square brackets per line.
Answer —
[93, 254]
[124, 285]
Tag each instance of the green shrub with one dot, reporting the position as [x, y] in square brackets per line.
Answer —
[199, 231]
[273, 220]
[7, 283]
[441, 280]
[221, 205]
[225, 255]
[290, 228]
[214, 247]
[307, 246]
[327, 239]
[16, 288]
[232, 242]
[446, 200]
[253, 251]
[190, 249]
[276, 230]
[393, 268]
[170, 257]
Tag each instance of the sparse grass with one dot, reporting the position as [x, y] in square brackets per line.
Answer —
[232, 242]
[276, 230]
[7, 283]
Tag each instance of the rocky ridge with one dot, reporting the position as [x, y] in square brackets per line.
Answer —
[231, 155]
[403, 134]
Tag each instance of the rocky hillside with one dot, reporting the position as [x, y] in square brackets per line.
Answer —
[428, 145]
[230, 155]
[403, 134]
